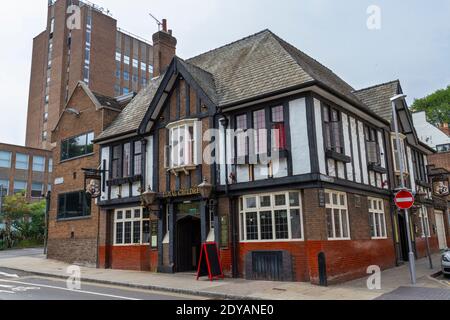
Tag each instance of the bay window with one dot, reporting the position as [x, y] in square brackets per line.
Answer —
[377, 219]
[271, 217]
[184, 144]
[132, 227]
[337, 215]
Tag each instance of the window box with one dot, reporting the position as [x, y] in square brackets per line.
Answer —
[377, 168]
[338, 156]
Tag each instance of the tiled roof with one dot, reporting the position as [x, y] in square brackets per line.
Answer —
[262, 64]
[108, 101]
[378, 98]
[131, 116]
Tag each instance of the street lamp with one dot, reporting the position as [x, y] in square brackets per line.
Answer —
[400, 150]
[205, 189]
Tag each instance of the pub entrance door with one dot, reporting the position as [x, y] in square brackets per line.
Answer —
[188, 244]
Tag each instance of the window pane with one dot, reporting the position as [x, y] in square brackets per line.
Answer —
[39, 164]
[20, 186]
[344, 224]
[330, 223]
[137, 232]
[37, 190]
[337, 223]
[259, 124]
[294, 199]
[119, 233]
[22, 161]
[137, 214]
[281, 225]
[372, 225]
[266, 225]
[119, 215]
[126, 160]
[383, 225]
[252, 226]
[296, 224]
[5, 159]
[128, 214]
[146, 231]
[280, 200]
[265, 201]
[127, 232]
[250, 203]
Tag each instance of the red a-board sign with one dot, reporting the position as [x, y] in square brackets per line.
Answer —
[210, 264]
[404, 200]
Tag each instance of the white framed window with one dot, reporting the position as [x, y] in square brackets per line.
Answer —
[135, 63]
[126, 59]
[37, 190]
[38, 164]
[396, 152]
[144, 66]
[338, 224]
[118, 56]
[273, 217]
[5, 159]
[131, 227]
[184, 144]
[22, 161]
[424, 221]
[377, 218]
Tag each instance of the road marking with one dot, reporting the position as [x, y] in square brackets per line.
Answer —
[9, 292]
[9, 275]
[74, 291]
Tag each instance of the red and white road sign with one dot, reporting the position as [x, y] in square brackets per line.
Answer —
[404, 200]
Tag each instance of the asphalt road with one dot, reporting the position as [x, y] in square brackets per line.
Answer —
[22, 286]
[6, 254]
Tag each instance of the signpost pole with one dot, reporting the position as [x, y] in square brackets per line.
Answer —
[400, 150]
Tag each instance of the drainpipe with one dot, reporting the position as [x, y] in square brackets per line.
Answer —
[47, 210]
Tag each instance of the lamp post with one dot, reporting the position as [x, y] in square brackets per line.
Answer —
[412, 264]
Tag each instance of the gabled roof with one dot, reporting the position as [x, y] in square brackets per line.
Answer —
[261, 64]
[131, 116]
[99, 101]
[378, 98]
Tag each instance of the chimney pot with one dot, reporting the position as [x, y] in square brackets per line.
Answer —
[170, 31]
[164, 25]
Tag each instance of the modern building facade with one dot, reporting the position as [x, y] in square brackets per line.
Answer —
[25, 169]
[74, 215]
[81, 43]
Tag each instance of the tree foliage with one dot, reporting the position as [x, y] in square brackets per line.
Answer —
[23, 220]
[436, 105]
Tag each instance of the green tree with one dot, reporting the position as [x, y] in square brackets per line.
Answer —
[32, 226]
[436, 105]
[15, 207]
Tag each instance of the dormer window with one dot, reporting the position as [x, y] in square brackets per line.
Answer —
[184, 145]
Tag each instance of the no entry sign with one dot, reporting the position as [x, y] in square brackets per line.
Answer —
[404, 200]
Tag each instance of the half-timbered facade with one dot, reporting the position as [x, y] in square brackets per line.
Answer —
[298, 164]
[415, 162]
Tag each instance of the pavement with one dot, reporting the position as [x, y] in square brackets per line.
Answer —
[237, 289]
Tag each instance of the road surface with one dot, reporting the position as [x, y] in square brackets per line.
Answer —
[22, 286]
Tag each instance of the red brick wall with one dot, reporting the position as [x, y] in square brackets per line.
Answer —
[128, 257]
[421, 246]
[347, 260]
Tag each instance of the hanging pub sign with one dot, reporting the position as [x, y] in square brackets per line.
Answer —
[209, 264]
[441, 188]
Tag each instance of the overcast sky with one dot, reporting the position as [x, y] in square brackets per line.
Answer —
[413, 44]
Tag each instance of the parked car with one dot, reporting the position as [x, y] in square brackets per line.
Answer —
[446, 263]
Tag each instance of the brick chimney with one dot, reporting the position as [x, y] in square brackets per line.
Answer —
[164, 49]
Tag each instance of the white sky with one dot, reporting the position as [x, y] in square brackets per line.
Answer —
[413, 44]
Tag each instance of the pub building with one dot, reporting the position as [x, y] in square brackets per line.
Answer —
[300, 189]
